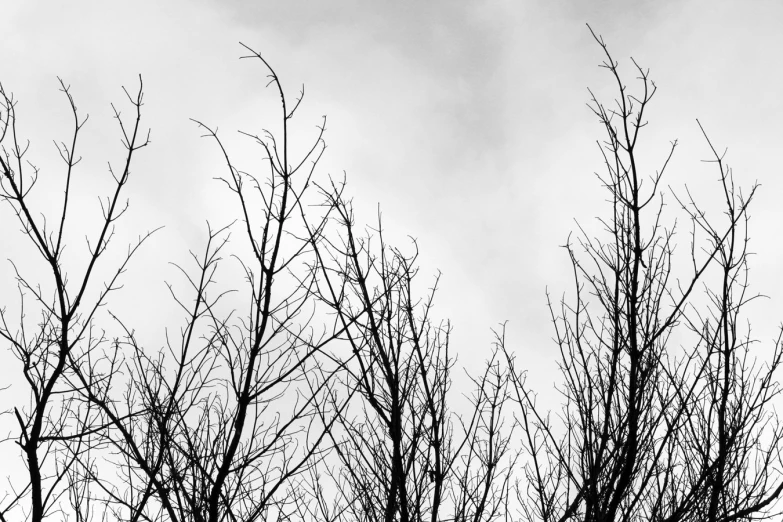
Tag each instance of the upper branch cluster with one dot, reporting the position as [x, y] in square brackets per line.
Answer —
[328, 392]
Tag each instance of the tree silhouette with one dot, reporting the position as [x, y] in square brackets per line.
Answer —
[320, 384]
[650, 430]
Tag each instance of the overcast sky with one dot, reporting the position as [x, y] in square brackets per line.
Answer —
[465, 121]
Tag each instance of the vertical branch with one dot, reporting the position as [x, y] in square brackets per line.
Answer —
[640, 418]
[57, 429]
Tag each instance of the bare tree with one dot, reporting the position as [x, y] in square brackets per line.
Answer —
[651, 431]
[732, 439]
[55, 333]
[400, 455]
[221, 424]
[488, 460]
[319, 384]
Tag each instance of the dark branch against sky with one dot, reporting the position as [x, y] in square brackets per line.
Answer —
[464, 120]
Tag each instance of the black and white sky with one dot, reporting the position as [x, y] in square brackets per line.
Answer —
[466, 122]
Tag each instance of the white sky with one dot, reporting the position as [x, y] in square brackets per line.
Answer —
[465, 121]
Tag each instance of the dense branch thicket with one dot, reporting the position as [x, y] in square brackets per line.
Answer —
[650, 430]
[329, 394]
